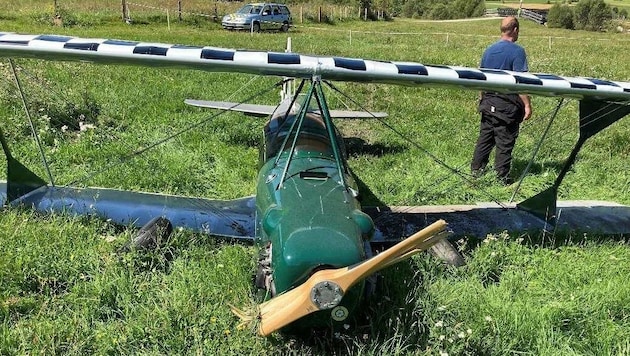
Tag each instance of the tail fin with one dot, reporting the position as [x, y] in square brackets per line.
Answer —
[20, 180]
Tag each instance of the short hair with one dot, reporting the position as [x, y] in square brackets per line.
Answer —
[509, 24]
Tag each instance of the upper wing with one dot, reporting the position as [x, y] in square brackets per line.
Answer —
[266, 110]
[296, 65]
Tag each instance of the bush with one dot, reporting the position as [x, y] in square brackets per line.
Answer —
[444, 9]
[469, 8]
[592, 15]
[560, 16]
[440, 12]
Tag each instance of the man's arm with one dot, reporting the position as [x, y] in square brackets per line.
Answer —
[528, 106]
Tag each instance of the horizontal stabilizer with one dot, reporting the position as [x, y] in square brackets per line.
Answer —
[248, 109]
[266, 110]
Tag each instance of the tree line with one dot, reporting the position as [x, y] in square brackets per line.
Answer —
[429, 9]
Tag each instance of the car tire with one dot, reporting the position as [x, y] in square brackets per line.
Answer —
[284, 27]
[255, 27]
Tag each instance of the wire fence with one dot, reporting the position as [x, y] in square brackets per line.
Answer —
[217, 9]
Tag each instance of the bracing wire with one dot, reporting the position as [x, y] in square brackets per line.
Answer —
[436, 159]
[125, 158]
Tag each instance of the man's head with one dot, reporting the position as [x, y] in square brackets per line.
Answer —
[509, 28]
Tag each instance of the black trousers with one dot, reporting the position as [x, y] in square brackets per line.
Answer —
[498, 134]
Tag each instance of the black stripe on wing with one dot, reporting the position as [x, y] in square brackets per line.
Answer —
[582, 85]
[414, 69]
[527, 80]
[151, 50]
[85, 46]
[120, 43]
[208, 53]
[603, 82]
[53, 38]
[352, 64]
[283, 58]
[470, 74]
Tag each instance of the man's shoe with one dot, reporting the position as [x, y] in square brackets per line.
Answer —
[476, 173]
[505, 181]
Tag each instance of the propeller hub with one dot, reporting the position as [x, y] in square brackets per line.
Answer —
[326, 295]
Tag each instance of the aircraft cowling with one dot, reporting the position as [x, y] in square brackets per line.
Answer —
[334, 236]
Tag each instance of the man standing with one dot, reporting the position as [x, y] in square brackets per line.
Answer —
[501, 114]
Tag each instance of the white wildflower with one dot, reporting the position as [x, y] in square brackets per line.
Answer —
[443, 353]
[439, 324]
[84, 127]
[461, 335]
[441, 337]
[469, 331]
[488, 318]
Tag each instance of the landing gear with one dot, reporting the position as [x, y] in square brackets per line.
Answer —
[445, 251]
[263, 279]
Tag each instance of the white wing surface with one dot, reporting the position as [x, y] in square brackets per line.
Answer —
[300, 66]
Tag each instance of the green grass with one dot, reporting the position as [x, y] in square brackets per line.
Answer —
[64, 288]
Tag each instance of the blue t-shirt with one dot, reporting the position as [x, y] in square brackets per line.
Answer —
[505, 55]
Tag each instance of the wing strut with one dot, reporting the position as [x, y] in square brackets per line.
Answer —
[540, 142]
[20, 180]
[595, 115]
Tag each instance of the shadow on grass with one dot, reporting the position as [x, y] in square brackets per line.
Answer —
[356, 146]
[519, 165]
[391, 320]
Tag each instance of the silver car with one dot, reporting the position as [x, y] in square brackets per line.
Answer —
[259, 16]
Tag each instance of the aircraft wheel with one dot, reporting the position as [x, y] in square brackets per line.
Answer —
[445, 251]
[153, 234]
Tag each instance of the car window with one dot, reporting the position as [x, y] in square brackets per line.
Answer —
[275, 10]
[245, 9]
[284, 10]
[267, 10]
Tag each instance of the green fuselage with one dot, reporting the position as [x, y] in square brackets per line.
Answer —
[308, 214]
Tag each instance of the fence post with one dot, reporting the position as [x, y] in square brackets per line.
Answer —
[301, 14]
[179, 10]
[319, 15]
[124, 10]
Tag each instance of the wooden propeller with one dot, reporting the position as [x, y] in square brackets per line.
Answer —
[325, 288]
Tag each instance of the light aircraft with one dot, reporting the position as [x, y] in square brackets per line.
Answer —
[313, 234]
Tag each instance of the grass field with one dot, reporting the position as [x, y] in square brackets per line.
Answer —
[65, 290]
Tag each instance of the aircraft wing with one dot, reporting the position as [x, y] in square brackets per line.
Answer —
[215, 59]
[231, 219]
[266, 110]
[480, 220]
